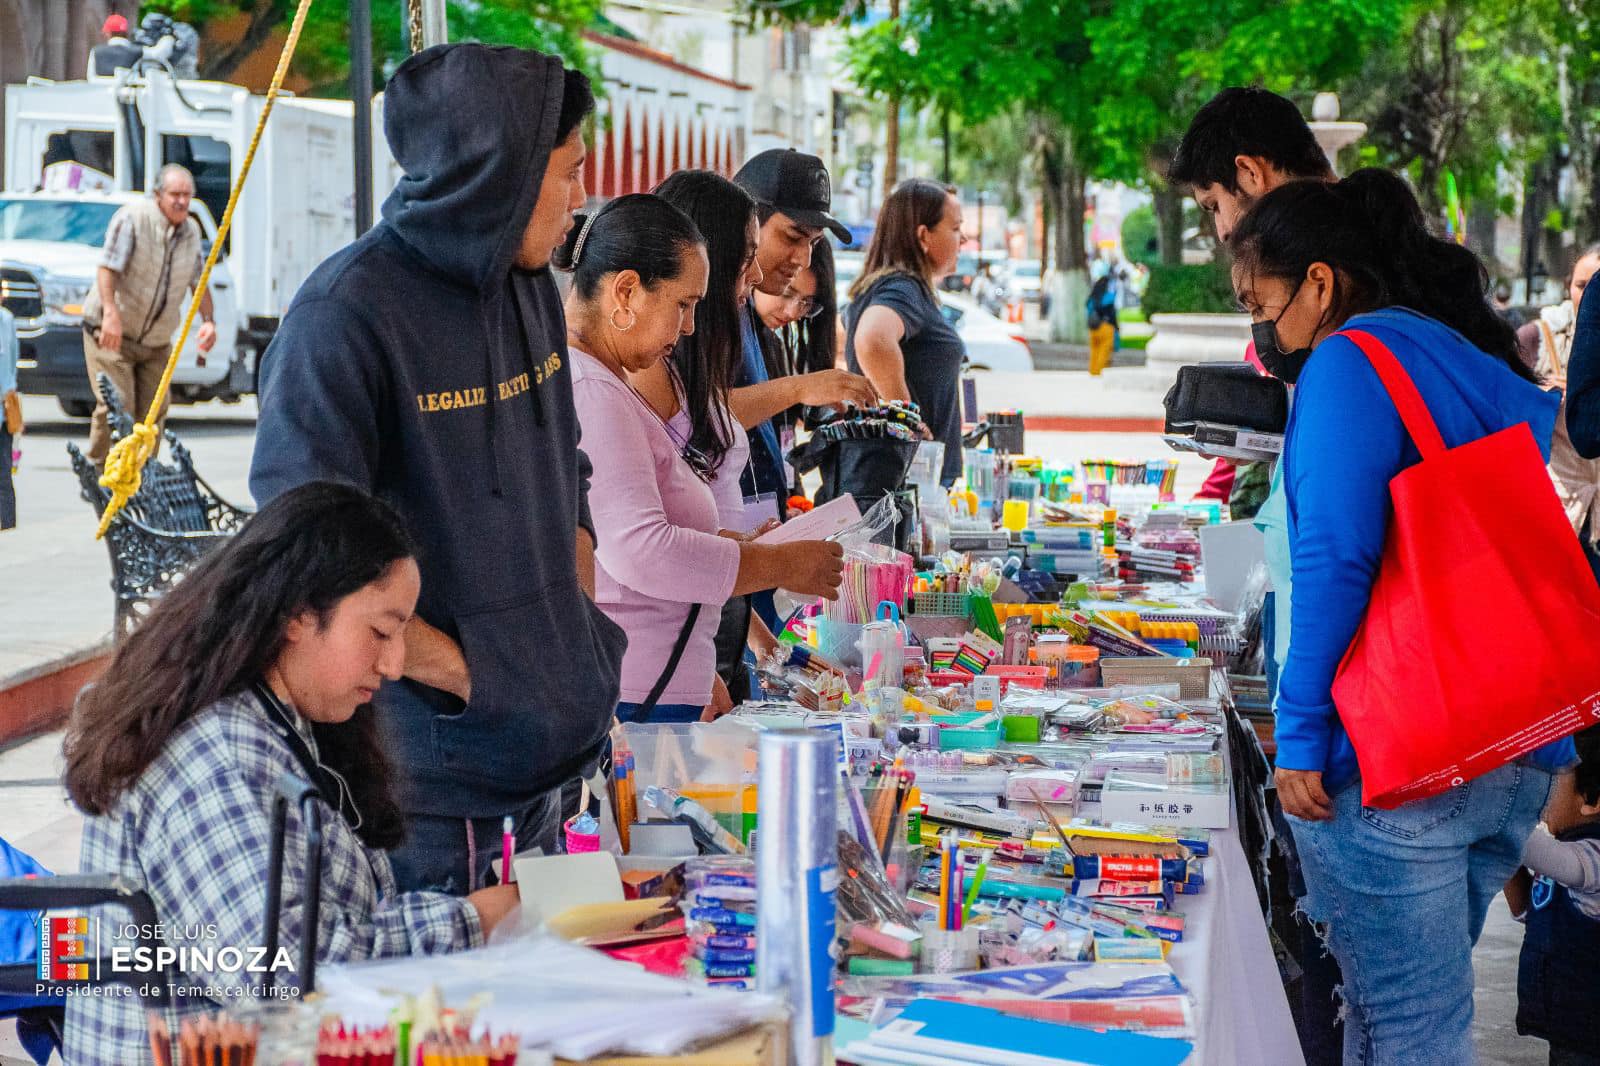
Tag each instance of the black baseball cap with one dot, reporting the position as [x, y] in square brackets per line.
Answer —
[793, 184]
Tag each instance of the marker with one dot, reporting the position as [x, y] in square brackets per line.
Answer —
[508, 840]
[972, 892]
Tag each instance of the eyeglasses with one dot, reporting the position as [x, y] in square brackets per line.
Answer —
[807, 307]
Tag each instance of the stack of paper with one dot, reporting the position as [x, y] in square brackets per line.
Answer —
[941, 1033]
[572, 1001]
[1140, 997]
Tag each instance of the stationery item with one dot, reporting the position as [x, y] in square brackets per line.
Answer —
[950, 950]
[553, 996]
[972, 892]
[208, 1039]
[673, 805]
[508, 846]
[566, 881]
[797, 880]
[819, 523]
[863, 966]
[1129, 949]
[950, 1032]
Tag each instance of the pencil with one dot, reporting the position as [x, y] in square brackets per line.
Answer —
[160, 1039]
[944, 885]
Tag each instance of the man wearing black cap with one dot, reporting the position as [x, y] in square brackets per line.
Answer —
[793, 196]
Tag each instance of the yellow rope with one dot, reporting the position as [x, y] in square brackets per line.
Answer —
[125, 465]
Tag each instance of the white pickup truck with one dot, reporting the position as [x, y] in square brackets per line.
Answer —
[297, 208]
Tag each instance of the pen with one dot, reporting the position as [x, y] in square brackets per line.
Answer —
[508, 841]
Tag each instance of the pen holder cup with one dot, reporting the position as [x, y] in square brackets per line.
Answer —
[579, 842]
[950, 950]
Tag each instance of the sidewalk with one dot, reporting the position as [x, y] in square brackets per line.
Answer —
[57, 588]
[1073, 400]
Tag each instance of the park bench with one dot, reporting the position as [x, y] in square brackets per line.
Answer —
[172, 521]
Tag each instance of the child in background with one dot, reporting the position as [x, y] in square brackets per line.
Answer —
[1558, 985]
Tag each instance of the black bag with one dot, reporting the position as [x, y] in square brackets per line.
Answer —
[866, 469]
[1228, 394]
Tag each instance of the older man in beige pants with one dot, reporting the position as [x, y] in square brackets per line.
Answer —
[152, 259]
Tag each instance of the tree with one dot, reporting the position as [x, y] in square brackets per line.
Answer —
[1468, 87]
[1183, 51]
[323, 57]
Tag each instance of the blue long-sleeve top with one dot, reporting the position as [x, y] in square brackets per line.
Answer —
[1345, 442]
[1583, 381]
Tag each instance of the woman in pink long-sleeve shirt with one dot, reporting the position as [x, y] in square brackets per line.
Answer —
[664, 566]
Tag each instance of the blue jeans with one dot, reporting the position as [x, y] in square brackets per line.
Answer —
[1403, 895]
[8, 493]
[664, 713]
[462, 855]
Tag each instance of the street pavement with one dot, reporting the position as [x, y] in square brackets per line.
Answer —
[57, 602]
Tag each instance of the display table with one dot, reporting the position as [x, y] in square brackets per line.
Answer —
[1241, 1013]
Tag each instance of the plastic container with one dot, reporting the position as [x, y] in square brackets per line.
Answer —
[950, 950]
[578, 843]
[963, 739]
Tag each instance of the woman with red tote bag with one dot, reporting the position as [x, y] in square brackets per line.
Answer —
[1366, 309]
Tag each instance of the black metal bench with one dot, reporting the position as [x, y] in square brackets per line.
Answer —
[173, 520]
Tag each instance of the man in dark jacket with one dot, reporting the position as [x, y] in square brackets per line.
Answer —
[427, 363]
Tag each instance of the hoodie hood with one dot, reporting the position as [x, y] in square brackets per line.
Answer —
[473, 127]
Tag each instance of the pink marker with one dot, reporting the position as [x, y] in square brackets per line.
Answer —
[508, 843]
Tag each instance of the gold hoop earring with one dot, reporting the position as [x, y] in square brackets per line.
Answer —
[633, 317]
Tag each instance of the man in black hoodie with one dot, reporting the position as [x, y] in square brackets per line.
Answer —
[426, 362]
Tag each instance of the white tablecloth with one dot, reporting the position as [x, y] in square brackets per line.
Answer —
[1225, 960]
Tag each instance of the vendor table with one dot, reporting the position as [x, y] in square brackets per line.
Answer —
[1225, 960]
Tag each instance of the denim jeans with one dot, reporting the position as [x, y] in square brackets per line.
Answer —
[1403, 895]
[462, 855]
[8, 493]
[661, 713]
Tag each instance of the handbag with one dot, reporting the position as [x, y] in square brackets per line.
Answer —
[12, 404]
[1439, 686]
[1227, 394]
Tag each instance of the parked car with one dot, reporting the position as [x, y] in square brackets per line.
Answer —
[1026, 279]
[992, 343]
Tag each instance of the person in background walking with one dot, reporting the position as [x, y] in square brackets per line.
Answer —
[153, 257]
[10, 416]
[1102, 310]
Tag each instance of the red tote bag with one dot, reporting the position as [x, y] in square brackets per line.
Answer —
[1481, 640]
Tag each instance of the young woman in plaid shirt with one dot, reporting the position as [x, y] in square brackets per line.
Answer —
[262, 662]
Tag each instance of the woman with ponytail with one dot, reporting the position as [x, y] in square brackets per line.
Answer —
[666, 560]
[1402, 894]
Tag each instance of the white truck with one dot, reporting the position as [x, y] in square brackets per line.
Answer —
[297, 207]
